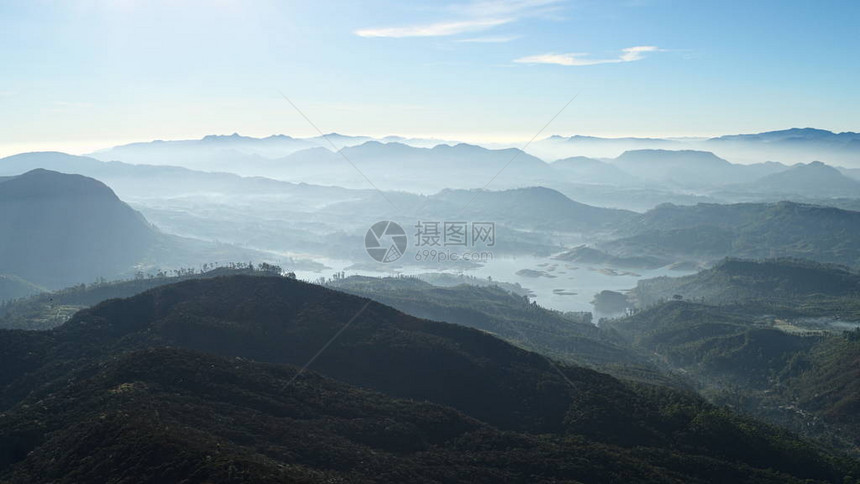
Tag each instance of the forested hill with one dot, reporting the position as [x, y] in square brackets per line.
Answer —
[570, 337]
[736, 280]
[78, 387]
[49, 309]
[801, 376]
[710, 232]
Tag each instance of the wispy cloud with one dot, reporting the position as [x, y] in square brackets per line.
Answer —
[439, 29]
[508, 8]
[490, 39]
[474, 16]
[629, 54]
[636, 53]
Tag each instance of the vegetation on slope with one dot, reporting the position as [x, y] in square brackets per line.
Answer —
[169, 415]
[803, 381]
[54, 407]
[749, 230]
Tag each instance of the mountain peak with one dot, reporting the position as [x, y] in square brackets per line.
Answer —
[812, 179]
[810, 134]
[42, 183]
[58, 229]
[816, 166]
[462, 147]
[222, 137]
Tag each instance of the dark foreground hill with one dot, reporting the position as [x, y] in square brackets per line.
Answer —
[78, 406]
[570, 337]
[566, 336]
[169, 415]
[47, 310]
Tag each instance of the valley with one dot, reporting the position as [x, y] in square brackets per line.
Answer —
[430, 242]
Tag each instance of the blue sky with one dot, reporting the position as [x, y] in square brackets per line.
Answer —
[82, 74]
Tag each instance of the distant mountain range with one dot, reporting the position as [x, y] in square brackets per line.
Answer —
[793, 145]
[307, 218]
[794, 135]
[796, 145]
[555, 147]
[394, 163]
[589, 170]
[688, 168]
[393, 166]
[298, 217]
[274, 146]
[132, 181]
[229, 153]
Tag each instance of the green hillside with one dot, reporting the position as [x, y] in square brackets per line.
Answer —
[76, 390]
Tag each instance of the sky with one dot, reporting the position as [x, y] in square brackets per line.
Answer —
[78, 75]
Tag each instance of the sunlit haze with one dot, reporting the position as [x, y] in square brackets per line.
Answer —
[90, 73]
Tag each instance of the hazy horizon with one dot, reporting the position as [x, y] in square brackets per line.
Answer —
[472, 70]
[84, 148]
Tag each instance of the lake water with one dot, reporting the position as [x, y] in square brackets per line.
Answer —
[833, 324]
[561, 285]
